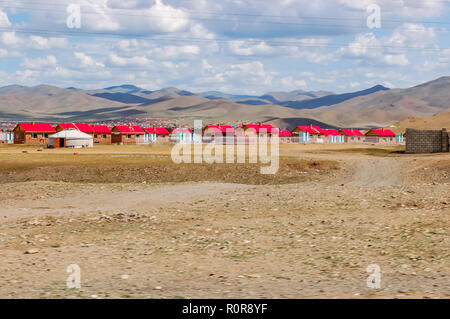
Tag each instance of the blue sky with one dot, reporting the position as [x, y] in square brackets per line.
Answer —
[236, 46]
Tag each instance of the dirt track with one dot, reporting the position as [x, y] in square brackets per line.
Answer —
[313, 238]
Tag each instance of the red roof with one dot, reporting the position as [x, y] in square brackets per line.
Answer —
[351, 132]
[332, 132]
[157, 130]
[257, 127]
[284, 134]
[66, 126]
[181, 130]
[36, 127]
[82, 127]
[214, 128]
[101, 129]
[221, 128]
[383, 132]
[129, 129]
[311, 129]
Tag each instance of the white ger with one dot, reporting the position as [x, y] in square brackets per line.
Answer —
[70, 138]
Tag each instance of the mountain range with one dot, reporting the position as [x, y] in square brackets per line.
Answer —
[375, 106]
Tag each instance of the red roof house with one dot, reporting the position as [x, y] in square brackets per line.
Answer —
[181, 130]
[258, 128]
[284, 133]
[352, 136]
[380, 136]
[32, 133]
[316, 134]
[102, 134]
[157, 130]
[101, 129]
[218, 130]
[127, 134]
[162, 134]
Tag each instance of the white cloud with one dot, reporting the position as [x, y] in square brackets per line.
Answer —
[38, 63]
[289, 83]
[86, 61]
[4, 21]
[41, 43]
[244, 47]
[199, 31]
[166, 18]
[173, 52]
[10, 39]
[369, 49]
[136, 61]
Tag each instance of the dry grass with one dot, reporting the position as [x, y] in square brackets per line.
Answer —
[131, 164]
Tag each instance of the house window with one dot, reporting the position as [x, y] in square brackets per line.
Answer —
[33, 135]
[128, 136]
[104, 136]
[138, 137]
[95, 135]
[44, 135]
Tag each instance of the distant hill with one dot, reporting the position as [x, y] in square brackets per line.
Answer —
[44, 101]
[387, 107]
[291, 123]
[122, 97]
[373, 107]
[331, 99]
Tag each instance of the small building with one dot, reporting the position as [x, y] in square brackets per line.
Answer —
[218, 132]
[70, 138]
[102, 134]
[381, 136]
[157, 134]
[352, 136]
[6, 137]
[333, 136]
[32, 133]
[285, 137]
[258, 129]
[400, 138]
[181, 135]
[309, 134]
[127, 134]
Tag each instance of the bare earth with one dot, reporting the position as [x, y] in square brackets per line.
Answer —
[222, 230]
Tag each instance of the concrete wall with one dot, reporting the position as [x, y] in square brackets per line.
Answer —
[426, 141]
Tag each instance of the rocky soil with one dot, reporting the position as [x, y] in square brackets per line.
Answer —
[312, 238]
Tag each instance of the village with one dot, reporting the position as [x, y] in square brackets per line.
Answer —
[78, 135]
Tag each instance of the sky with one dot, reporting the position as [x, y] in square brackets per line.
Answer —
[233, 46]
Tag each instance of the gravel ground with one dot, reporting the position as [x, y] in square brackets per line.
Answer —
[208, 239]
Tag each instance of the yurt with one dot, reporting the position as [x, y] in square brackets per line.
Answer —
[70, 138]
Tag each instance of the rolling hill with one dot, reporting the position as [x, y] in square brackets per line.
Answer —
[387, 107]
[373, 107]
[45, 101]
